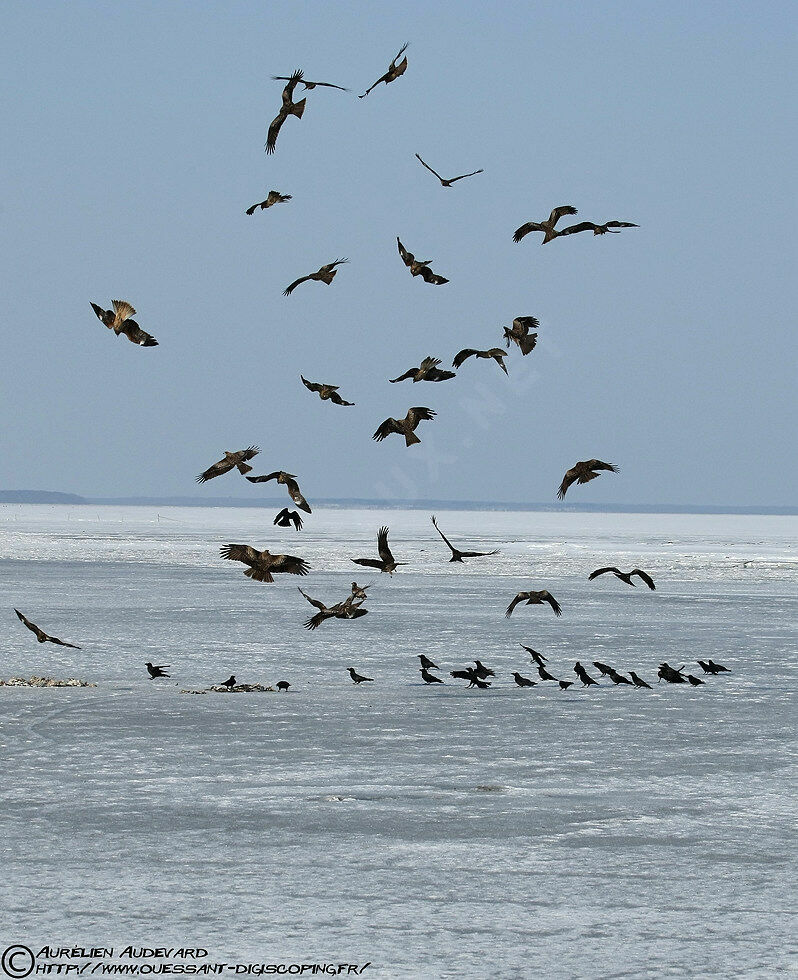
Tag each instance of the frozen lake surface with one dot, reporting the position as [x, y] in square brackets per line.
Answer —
[433, 831]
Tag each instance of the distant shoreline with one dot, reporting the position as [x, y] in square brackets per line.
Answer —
[51, 497]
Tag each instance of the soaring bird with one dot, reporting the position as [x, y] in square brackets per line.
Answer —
[496, 353]
[325, 392]
[418, 267]
[535, 599]
[538, 658]
[325, 274]
[348, 609]
[275, 197]
[262, 564]
[609, 226]
[522, 681]
[288, 108]
[452, 180]
[358, 678]
[395, 69]
[483, 672]
[583, 675]
[309, 86]
[156, 670]
[119, 320]
[289, 482]
[288, 517]
[625, 576]
[406, 426]
[41, 636]
[426, 663]
[547, 226]
[519, 333]
[426, 371]
[670, 674]
[386, 561]
[429, 678]
[583, 472]
[230, 461]
[460, 555]
[230, 683]
[638, 681]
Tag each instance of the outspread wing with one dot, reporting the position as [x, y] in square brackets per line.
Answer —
[465, 353]
[559, 212]
[521, 597]
[289, 289]
[274, 130]
[525, 229]
[548, 597]
[382, 546]
[290, 564]
[478, 554]
[367, 562]
[473, 173]
[336, 399]
[644, 576]
[264, 479]
[240, 552]
[569, 478]
[311, 385]
[407, 257]
[403, 377]
[218, 469]
[429, 168]
[296, 495]
[621, 224]
[575, 229]
[386, 428]
[419, 414]
[602, 571]
[448, 542]
[314, 602]
[429, 276]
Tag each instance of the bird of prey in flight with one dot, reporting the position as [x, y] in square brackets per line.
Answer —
[625, 576]
[274, 197]
[325, 274]
[386, 562]
[583, 472]
[288, 108]
[262, 565]
[325, 392]
[237, 459]
[419, 268]
[40, 635]
[535, 599]
[405, 426]
[451, 180]
[120, 320]
[395, 69]
[289, 482]
[458, 555]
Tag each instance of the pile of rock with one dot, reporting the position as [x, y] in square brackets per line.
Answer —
[44, 682]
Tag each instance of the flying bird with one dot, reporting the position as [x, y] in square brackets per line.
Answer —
[359, 591]
[625, 576]
[496, 353]
[275, 197]
[584, 472]
[262, 564]
[325, 392]
[288, 108]
[289, 482]
[535, 599]
[418, 267]
[40, 635]
[537, 657]
[119, 319]
[429, 678]
[348, 609]
[156, 670]
[406, 426]
[395, 69]
[288, 517]
[522, 681]
[309, 86]
[613, 227]
[638, 681]
[547, 226]
[426, 371]
[520, 334]
[386, 562]
[236, 460]
[460, 555]
[583, 675]
[358, 678]
[452, 180]
[325, 274]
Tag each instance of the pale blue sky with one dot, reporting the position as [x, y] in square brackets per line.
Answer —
[134, 140]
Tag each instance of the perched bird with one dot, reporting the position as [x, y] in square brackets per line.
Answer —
[710, 667]
[535, 599]
[625, 576]
[309, 86]
[426, 371]
[282, 685]
[496, 353]
[547, 226]
[617, 678]
[610, 226]
[359, 591]
[40, 635]
[288, 480]
[564, 685]
[604, 669]
[671, 675]
[583, 675]
[418, 267]
[460, 555]
[358, 678]
[288, 517]
[695, 681]
[230, 683]
[638, 681]
[583, 472]
[429, 678]
[288, 108]
[262, 564]
[275, 197]
[395, 69]
[482, 685]
[156, 670]
[348, 609]
[325, 274]
[519, 333]
[119, 320]
[522, 681]
[426, 663]
[386, 562]
[452, 180]
[405, 427]
[537, 657]
[235, 460]
[325, 392]
[483, 671]
[545, 675]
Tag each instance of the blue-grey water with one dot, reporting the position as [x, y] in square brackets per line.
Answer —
[435, 832]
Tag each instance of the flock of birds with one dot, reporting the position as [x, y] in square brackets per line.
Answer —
[262, 565]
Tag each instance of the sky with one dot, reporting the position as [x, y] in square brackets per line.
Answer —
[134, 142]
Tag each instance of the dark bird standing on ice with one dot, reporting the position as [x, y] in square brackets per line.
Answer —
[262, 564]
[288, 108]
[712, 668]
[535, 599]
[638, 681]
[520, 334]
[495, 353]
[40, 635]
[230, 461]
[604, 669]
[395, 69]
[522, 681]
[426, 663]
[386, 562]
[671, 675]
[288, 517]
[418, 267]
[460, 555]
[545, 675]
[358, 678]
[625, 576]
[429, 678]
[325, 274]
[451, 180]
[405, 427]
[617, 678]
[483, 671]
[564, 685]
[119, 320]
[282, 686]
[583, 675]
[230, 683]
[288, 480]
[583, 472]
[695, 681]
[156, 670]
[325, 392]
[275, 197]
[426, 371]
